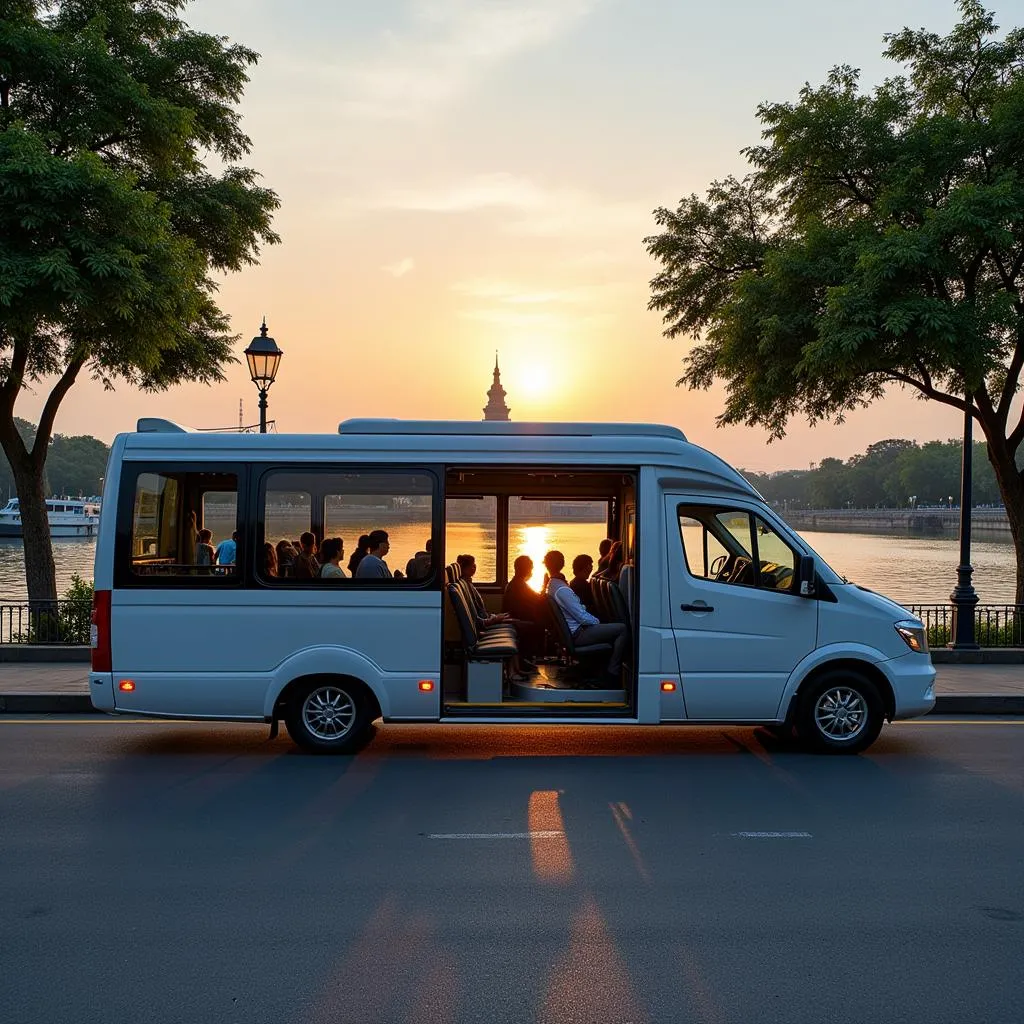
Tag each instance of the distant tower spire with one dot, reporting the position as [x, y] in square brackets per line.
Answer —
[496, 408]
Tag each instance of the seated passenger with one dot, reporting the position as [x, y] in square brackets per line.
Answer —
[520, 600]
[584, 627]
[286, 555]
[227, 550]
[526, 632]
[582, 567]
[418, 567]
[613, 566]
[361, 551]
[372, 566]
[467, 566]
[306, 566]
[331, 552]
[269, 559]
[204, 549]
[602, 553]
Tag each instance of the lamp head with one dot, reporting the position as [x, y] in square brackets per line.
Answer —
[263, 357]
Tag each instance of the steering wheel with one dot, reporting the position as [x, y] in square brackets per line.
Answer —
[742, 571]
[718, 566]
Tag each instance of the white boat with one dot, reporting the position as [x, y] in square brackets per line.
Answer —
[69, 517]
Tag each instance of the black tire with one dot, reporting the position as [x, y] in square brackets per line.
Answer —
[328, 715]
[840, 712]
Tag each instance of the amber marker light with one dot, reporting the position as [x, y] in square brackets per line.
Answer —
[667, 686]
[126, 685]
[426, 685]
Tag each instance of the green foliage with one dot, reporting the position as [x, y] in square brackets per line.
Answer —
[878, 238]
[66, 622]
[112, 229]
[1001, 631]
[74, 465]
[884, 476]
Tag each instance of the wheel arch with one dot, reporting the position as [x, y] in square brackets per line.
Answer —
[321, 662]
[861, 666]
[300, 682]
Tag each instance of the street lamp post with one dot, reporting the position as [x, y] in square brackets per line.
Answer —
[263, 357]
[964, 597]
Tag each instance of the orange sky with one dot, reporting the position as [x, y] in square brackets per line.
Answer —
[461, 176]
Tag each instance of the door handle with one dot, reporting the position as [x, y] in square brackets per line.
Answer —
[696, 608]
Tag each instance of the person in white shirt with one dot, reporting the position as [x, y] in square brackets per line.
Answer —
[584, 627]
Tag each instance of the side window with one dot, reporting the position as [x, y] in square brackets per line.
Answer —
[778, 560]
[313, 523]
[471, 528]
[705, 554]
[184, 525]
[735, 547]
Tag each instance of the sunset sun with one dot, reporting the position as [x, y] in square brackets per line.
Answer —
[535, 381]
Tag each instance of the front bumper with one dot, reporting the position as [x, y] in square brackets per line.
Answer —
[912, 678]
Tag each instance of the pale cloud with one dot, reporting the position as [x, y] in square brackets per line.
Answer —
[550, 324]
[400, 268]
[534, 209]
[511, 294]
[447, 46]
[479, 192]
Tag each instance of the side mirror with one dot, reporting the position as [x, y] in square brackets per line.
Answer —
[805, 576]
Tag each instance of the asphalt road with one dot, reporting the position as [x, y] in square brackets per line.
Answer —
[178, 872]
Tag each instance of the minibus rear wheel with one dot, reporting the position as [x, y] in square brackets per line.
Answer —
[840, 712]
[328, 715]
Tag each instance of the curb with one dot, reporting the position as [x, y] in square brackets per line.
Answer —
[979, 704]
[80, 704]
[44, 653]
[46, 704]
[982, 656]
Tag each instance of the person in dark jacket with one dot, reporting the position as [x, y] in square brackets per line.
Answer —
[582, 567]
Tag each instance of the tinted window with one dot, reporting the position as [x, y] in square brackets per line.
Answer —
[735, 547]
[346, 505]
[178, 520]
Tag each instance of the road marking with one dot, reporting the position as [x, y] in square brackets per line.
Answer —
[10, 719]
[771, 835]
[547, 834]
[1016, 720]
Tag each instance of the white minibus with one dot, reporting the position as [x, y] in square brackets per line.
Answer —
[316, 579]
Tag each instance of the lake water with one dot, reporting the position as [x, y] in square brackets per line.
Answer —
[907, 569]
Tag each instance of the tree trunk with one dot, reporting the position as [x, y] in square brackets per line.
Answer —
[40, 573]
[1011, 487]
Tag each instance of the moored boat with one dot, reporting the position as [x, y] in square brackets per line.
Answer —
[68, 517]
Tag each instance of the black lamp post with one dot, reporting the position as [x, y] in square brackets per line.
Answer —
[263, 357]
[964, 597]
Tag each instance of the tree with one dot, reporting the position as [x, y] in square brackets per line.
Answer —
[111, 227]
[75, 465]
[933, 475]
[877, 239]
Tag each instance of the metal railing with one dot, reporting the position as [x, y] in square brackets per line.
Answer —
[995, 625]
[46, 622]
[67, 622]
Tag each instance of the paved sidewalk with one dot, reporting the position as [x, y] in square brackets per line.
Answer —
[52, 677]
[1000, 680]
[73, 678]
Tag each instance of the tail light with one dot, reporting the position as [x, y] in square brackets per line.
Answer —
[99, 631]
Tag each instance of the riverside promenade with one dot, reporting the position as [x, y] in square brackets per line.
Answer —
[924, 521]
[63, 688]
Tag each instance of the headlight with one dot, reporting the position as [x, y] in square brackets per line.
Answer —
[915, 636]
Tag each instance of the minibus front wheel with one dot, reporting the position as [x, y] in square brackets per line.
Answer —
[328, 714]
[840, 712]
